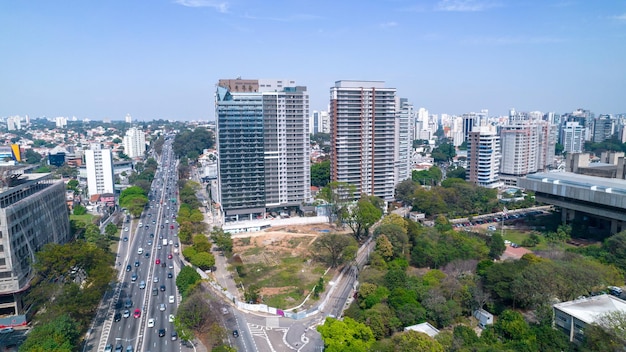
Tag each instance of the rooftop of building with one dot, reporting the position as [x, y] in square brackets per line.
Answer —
[609, 185]
[590, 309]
[426, 328]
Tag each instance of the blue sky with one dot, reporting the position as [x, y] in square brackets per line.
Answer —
[162, 58]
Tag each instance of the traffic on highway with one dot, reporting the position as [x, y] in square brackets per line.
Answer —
[142, 318]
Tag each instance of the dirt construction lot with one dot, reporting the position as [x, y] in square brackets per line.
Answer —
[280, 263]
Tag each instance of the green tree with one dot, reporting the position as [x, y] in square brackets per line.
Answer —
[194, 312]
[201, 244]
[186, 279]
[60, 335]
[496, 246]
[362, 217]
[32, 157]
[203, 260]
[80, 210]
[222, 239]
[72, 185]
[456, 172]
[110, 230]
[405, 190]
[320, 174]
[334, 249]
[414, 341]
[338, 195]
[345, 336]
[384, 247]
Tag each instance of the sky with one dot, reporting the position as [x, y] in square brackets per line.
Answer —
[162, 58]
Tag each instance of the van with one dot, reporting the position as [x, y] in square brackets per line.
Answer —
[140, 251]
[165, 241]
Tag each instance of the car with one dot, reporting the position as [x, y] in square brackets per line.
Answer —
[235, 333]
[170, 275]
[171, 242]
[137, 313]
[126, 228]
[167, 221]
[128, 303]
[157, 261]
[129, 348]
[170, 318]
[137, 263]
[151, 235]
[125, 239]
[162, 226]
[162, 307]
[140, 224]
[147, 226]
[155, 279]
[155, 291]
[147, 254]
[6, 330]
[119, 347]
[108, 348]
[126, 313]
[169, 256]
[171, 266]
[151, 322]
[171, 227]
[176, 244]
[142, 285]
[174, 336]
[171, 298]
[161, 332]
[149, 242]
[133, 278]
[162, 288]
[128, 267]
[159, 246]
[117, 317]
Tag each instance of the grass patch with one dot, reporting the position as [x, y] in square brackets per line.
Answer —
[285, 300]
[518, 236]
[253, 251]
[86, 218]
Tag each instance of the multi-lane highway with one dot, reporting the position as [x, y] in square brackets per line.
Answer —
[141, 318]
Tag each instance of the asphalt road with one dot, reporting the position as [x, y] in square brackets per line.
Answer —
[144, 249]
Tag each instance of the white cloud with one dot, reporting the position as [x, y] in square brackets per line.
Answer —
[220, 6]
[388, 24]
[464, 5]
[621, 17]
[291, 18]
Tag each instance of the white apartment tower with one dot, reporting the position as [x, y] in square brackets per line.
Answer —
[363, 118]
[573, 137]
[483, 157]
[403, 140]
[134, 143]
[320, 122]
[99, 164]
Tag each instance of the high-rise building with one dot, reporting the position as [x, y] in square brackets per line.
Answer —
[134, 143]
[527, 146]
[99, 164]
[263, 147]
[60, 121]
[362, 117]
[128, 118]
[473, 120]
[573, 137]
[320, 122]
[603, 128]
[483, 157]
[33, 213]
[403, 140]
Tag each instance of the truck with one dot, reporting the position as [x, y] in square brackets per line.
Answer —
[165, 241]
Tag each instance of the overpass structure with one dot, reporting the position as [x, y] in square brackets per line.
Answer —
[602, 198]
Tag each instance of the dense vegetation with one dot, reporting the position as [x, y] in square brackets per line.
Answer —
[320, 173]
[66, 291]
[190, 144]
[418, 274]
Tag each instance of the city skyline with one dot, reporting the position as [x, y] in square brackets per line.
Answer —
[161, 59]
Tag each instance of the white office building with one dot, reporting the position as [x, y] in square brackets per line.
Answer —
[573, 137]
[134, 143]
[99, 164]
[403, 140]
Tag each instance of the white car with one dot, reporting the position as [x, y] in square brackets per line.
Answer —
[156, 279]
[151, 322]
[171, 300]
[126, 228]
[171, 318]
